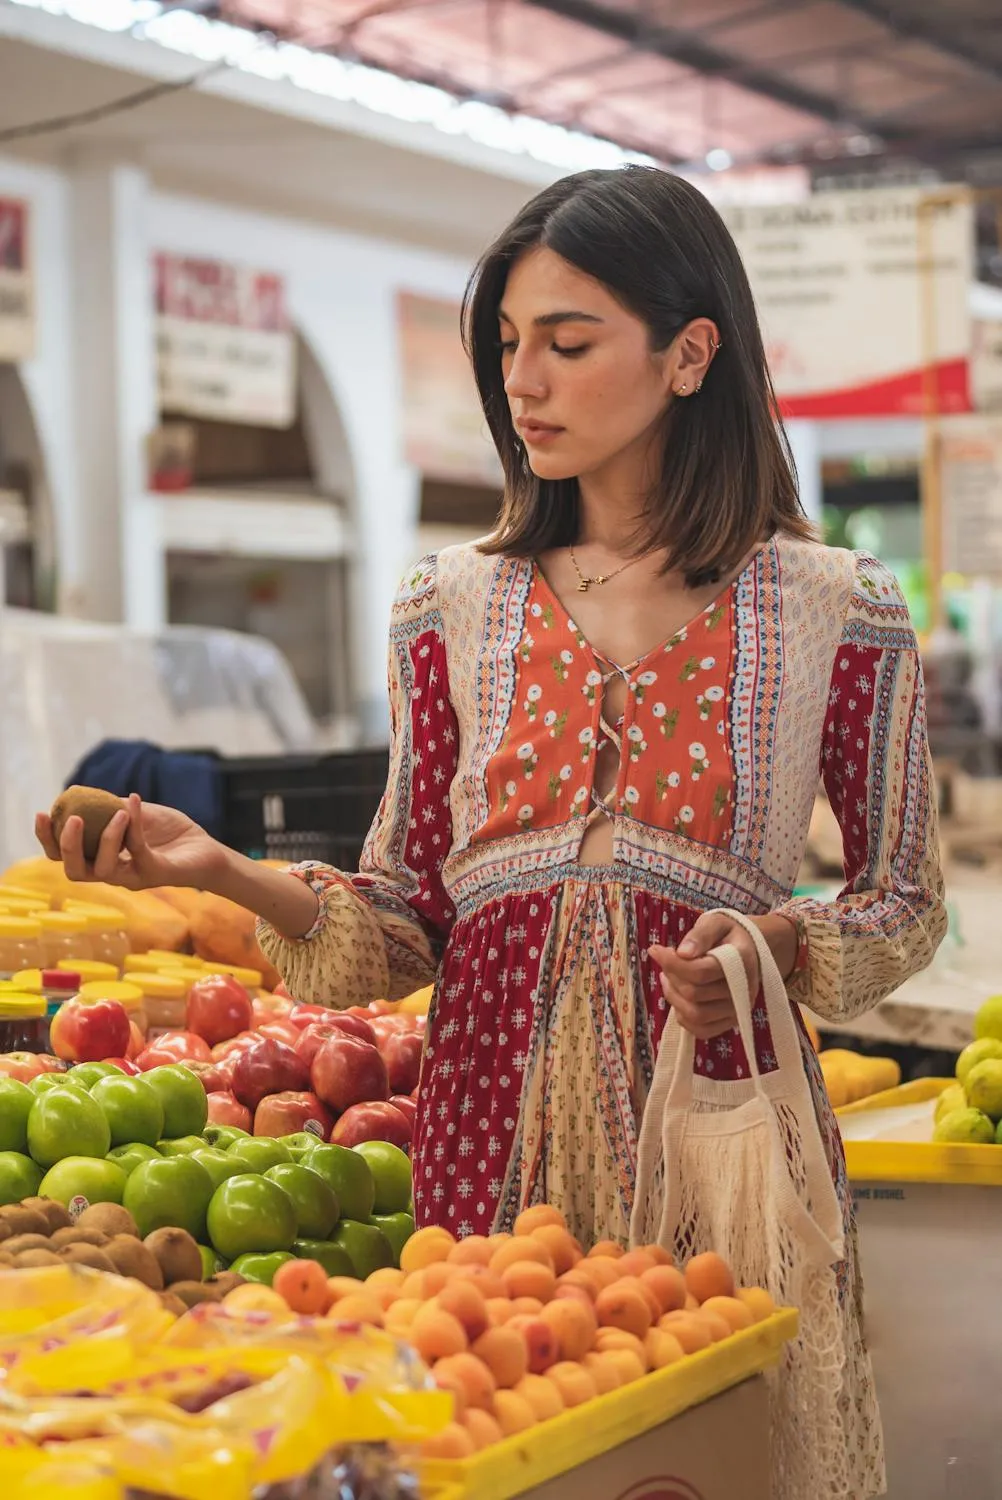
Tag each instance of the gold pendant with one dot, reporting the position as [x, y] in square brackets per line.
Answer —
[583, 585]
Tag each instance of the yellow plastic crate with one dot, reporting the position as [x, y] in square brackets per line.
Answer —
[531, 1458]
[917, 1161]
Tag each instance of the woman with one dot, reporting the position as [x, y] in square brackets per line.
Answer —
[606, 720]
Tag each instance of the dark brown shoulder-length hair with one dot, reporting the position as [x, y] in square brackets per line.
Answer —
[727, 478]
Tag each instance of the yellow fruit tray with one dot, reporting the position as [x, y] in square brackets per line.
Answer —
[917, 1161]
[553, 1447]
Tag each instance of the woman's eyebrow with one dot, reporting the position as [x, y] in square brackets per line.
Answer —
[550, 320]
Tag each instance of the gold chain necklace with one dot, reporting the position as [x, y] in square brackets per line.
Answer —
[584, 584]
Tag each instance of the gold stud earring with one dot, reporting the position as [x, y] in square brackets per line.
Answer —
[699, 386]
[682, 389]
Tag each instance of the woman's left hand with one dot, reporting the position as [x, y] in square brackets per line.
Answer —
[694, 985]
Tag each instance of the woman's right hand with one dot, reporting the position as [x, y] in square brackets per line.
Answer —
[143, 846]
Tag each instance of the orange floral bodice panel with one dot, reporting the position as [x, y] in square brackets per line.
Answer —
[675, 768]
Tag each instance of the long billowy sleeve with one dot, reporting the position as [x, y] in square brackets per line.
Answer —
[890, 917]
[380, 932]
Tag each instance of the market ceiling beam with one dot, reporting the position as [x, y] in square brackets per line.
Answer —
[908, 28]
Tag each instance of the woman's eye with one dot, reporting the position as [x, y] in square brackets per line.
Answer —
[571, 352]
[507, 346]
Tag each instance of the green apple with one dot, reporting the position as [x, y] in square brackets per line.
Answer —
[87, 1074]
[16, 1100]
[258, 1153]
[335, 1261]
[223, 1136]
[348, 1174]
[316, 1206]
[988, 1021]
[984, 1088]
[218, 1164]
[964, 1127]
[249, 1213]
[78, 1181]
[211, 1262]
[66, 1122]
[129, 1157]
[299, 1145]
[19, 1177]
[397, 1228]
[391, 1172]
[260, 1268]
[131, 1107]
[44, 1083]
[183, 1098]
[975, 1052]
[180, 1145]
[367, 1247]
[169, 1193]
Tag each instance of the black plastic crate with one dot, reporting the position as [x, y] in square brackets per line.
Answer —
[299, 807]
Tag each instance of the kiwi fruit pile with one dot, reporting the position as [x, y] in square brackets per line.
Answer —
[41, 1232]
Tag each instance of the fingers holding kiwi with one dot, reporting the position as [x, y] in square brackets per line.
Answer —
[88, 827]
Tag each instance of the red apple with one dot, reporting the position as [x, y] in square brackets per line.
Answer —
[137, 1042]
[22, 1066]
[215, 1077]
[385, 1026]
[174, 1047]
[407, 1107]
[348, 1071]
[402, 1056]
[374, 1121]
[124, 1064]
[305, 1015]
[234, 1047]
[280, 1031]
[86, 1031]
[312, 1039]
[219, 1007]
[269, 1068]
[281, 991]
[271, 1008]
[224, 1109]
[292, 1111]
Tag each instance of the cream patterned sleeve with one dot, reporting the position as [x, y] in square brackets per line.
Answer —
[380, 932]
[890, 916]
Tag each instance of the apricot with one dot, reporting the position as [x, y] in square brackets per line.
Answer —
[303, 1284]
[691, 1305]
[662, 1257]
[648, 1294]
[734, 1312]
[487, 1282]
[617, 1338]
[668, 1286]
[504, 1352]
[635, 1263]
[517, 1251]
[624, 1306]
[252, 1297]
[718, 1326]
[437, 1277]
[358, 1309]
[436, 1334]
[629, 1366]
[579, 1278]
[527, 1279]
[524, 1307]
[574, 1294]
[603, 1271]
[513, 1413]
[471, 1376]
[413, 1286]
[454, 1441]
[464, 1302]
[604, 1371]
[400, 1314]
[606, 1250]
[575, 1326]
[563, 1248]
[499, 1310]
[453, 1384]
[542, 1395]
[385, 1285]
[424, 1248]
[758, 1302]
[535, 1217]
[573, 1381]
[690, 1331]
[475, 1250]
[662, 1349]
[343, 1286]
[497, 1240]
[541, 1344]
[482, 1427]
[707, 1276]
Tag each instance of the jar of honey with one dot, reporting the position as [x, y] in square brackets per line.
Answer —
[24, 1025]
[109, 940]
[64, 935]
[20, 944]
[165, 999]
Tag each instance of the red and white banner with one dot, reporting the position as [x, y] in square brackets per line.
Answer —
[17, 294]
[857, 300]
[225, 345]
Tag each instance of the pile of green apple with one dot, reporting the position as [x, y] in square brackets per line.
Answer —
[969, 1111]
[96, 1135]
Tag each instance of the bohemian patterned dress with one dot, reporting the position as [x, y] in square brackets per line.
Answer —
[547, 1011]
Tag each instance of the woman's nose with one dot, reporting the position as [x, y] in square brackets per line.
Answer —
[523, 378]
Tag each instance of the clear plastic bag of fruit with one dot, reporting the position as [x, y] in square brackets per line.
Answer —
[64, 1326]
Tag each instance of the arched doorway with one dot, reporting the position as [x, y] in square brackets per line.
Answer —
[27, 533]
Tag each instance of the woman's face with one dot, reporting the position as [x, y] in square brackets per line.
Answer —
[584, 389]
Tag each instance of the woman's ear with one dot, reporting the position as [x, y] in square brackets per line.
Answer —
[694, 351]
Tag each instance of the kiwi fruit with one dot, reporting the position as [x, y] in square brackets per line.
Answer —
[5, 1230]
[72, 1235]
[6, 1261]
[179, 1256]
[18, 1243]
[173, 1304]
[225, 1281]
[131, 1257]
[95, 807]
[110, 1219]
[83, 1255]
[32, 1258]
[57, 1215]
[21, 1220]
[192, 1293]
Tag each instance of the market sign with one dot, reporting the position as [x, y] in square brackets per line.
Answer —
[445, 434]
[986, 365]
[225, 345]
[17, 299]
[860, 293]
[970, 458]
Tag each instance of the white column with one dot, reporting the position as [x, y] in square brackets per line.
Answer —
[114, 352]
[804, 440]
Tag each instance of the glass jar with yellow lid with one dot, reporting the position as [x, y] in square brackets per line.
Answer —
[109, 940]
[20, 944]
[12, 903]
[24, 1025]
[128, 995]
[64, 935]
[88, 969]
[165, 998]
[158, 963]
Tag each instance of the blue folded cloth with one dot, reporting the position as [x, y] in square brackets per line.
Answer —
[190, 781]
